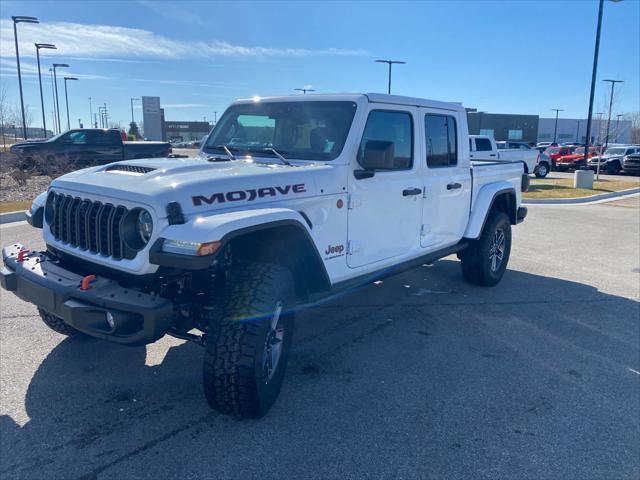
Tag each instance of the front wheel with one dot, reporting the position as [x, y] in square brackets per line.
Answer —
[485, 260]
[542, 171]
[248, 340]
[613, 168]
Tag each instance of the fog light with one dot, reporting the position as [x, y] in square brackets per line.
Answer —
[110, 321]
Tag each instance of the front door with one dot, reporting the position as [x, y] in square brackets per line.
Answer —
[384, 210]
[447, 180]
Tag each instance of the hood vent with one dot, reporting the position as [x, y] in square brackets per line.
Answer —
[135, 170]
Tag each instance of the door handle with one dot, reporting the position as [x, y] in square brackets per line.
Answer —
[492, 155]
[454, 186]
[411, 191]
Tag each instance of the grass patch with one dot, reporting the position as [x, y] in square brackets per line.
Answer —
[563, 188]
[14, 206]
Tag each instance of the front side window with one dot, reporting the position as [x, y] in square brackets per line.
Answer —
[305, 130]
[76, 138]
[395, 128]
[441, 140]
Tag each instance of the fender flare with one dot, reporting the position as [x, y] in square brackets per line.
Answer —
[484, 203]
[225, 227]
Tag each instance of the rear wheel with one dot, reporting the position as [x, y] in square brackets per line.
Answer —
[248, 340]
[543, 170]
[485, 260]
[57, 324]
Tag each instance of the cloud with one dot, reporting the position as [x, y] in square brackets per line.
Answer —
[8, 68]
[109, 42]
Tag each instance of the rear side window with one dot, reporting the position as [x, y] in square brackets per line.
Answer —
[483, 145]
[106, 138]
[395, 127]
[441, 140]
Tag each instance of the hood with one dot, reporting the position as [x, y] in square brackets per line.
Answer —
[196, 184]
[605, 158]
[28, 143]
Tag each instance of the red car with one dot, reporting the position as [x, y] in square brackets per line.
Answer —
[557, 152]
[574, 160]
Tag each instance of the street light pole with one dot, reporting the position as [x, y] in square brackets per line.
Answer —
[90, 112]
[55, 81]
[53, 103]
[304, 90]
[617, 124]
[16, 20]
[38, 47]
[593, 82]
[613, 84]
[132, 99]
[555, 128]
[390, 63]
[66, 99]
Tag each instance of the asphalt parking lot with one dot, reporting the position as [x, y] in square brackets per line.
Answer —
[420, 376]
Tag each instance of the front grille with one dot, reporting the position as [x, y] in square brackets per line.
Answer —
[89, 225]
[130, 169]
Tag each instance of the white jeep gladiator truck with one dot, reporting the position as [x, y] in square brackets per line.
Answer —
[291, 199]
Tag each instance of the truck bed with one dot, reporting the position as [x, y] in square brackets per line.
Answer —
[486, 172]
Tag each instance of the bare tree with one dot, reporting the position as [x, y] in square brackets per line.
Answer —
[635, 127]
[4, 113]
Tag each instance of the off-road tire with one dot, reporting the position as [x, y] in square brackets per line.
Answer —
[476, 260]
[234, 379]
[57, 324]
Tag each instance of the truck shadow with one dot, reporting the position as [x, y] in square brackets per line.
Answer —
[92, 405]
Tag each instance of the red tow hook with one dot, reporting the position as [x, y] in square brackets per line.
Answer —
[23, 254]
[84, 284]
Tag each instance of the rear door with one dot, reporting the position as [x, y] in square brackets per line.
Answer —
[106, 147]
[384, 210]
[447, 180]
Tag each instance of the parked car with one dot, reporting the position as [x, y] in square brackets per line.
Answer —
[631, 164]
[339, 190]
[556, 152]
[574, 160]
[485, 148]
[88, 146]
[612, 159]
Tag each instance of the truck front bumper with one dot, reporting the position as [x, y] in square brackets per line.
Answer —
[104, 309]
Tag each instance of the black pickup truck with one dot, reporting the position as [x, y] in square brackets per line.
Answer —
[87, 147]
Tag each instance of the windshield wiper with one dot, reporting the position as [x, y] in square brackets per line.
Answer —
[230, 155]
[275, 152]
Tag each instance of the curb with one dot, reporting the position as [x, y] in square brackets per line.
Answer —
[574, 201]
[12, 217]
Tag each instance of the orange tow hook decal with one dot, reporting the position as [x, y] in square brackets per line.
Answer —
[84, 284]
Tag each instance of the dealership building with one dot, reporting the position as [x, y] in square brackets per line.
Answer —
[534, 129]
[185, 131]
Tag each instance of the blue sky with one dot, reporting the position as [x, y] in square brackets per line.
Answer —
[500, 56]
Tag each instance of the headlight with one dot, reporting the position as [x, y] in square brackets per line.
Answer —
[145, 226]
[184, 247]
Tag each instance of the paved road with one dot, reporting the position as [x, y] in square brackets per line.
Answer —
[422, 376]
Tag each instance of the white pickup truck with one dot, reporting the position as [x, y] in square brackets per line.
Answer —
[290, 200]
[484, 147]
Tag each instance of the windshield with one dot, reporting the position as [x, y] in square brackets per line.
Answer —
[552, 150]
[305, 130]
[615, 151]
